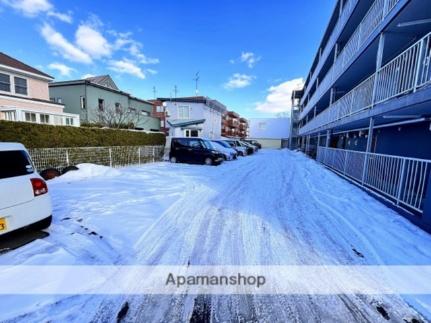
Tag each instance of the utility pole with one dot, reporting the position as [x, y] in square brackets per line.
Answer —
[196, 79]
[175, 91]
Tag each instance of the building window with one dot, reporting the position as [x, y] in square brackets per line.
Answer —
[4, 82]
[183, 112]
[159, 108]
[69, 121]
[262, 125]
[101, 104]
[30, 117]
[117, 107]
[82, 102]
[162, 123]
[59, 100]
[20, 85]
[145, 113]
[9, 115]
[44, 118]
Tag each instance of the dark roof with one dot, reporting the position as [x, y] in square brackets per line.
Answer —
[103, 80]
[214, 104]
[184, 122]
[93, 81]
[14, 63]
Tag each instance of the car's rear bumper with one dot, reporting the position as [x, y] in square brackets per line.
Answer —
[26, 214]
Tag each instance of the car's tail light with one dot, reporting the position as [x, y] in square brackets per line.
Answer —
[39, 186]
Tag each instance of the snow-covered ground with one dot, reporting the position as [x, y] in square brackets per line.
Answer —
[272, 208]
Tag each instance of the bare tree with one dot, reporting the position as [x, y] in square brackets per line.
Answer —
[119, 117]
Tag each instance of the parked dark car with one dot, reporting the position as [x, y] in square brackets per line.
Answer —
[254, 143]
[194, 151]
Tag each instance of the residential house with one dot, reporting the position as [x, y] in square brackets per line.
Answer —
[24, 95]
[194, 116]
[366, 106]
[92, 96]
[270, 132]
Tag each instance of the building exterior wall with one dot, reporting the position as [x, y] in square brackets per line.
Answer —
[371, 92]
[269, 128]
[71, 96]
[18, 107]
[211, 128]
[269, 143]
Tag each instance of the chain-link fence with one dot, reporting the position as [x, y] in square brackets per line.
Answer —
[118, 156]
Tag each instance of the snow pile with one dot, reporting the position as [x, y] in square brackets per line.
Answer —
[90, 170]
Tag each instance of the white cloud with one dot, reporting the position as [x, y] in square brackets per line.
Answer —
[238, 81]
[33, 8]
[135, 50]
[151, 71]
[63, 47]
[279, 97]
[65, 17]
[126, 67]
[30, 8]
[64, 70]
[249, 58]
[92, 42]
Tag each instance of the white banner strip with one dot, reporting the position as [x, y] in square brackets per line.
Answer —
[322, 280]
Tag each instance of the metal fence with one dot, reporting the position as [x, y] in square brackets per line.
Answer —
[405, 73]
[375, 15]
[117, 156]
[401, 179]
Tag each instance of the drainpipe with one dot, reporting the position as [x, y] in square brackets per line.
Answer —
[427, 205]
[379, 60]
[328, 138]
[368, 150]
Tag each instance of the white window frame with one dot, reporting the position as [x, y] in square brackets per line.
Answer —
[10, 83]
[30, 114]
[42, 116]
[181, 109]
[26, 85]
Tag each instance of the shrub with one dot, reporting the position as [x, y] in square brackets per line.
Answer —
[46, 136]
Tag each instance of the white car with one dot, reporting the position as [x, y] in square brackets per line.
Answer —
[242, 151]
[228, 152]
[24, 198]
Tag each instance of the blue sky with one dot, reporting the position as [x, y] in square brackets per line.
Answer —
[250, 54]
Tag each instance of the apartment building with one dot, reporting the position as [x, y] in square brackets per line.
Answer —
[234, 126]
[197, 116]
[159, 111]
[366, 106]
[24, 95]
[91, 97]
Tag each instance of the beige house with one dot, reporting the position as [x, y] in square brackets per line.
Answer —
[24, 95]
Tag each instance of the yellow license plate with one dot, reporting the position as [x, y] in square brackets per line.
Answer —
[3, 225]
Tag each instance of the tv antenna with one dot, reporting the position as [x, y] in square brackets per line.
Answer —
[196, 79]
[154, 92]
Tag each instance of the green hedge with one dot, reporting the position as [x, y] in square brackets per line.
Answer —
[45, 136]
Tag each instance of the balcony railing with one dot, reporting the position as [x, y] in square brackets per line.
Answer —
[349, 5]
[400, 179]
[405, 73]
[375, 15]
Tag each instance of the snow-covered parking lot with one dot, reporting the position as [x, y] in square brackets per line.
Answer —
[272, 208]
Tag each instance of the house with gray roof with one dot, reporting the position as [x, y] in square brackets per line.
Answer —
[91, 96]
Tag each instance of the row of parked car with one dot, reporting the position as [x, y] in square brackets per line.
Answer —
[209, 152]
